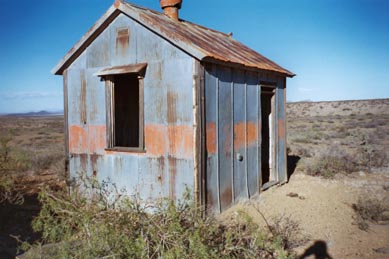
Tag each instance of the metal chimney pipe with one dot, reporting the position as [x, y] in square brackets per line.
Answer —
[171, 7]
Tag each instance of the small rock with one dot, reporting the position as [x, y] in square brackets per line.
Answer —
[382, 250]
[385, 215]
[292, 194]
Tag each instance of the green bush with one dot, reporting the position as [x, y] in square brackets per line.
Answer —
[119, 227]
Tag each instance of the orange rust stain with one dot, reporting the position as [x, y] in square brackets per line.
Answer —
[244, 133]
[281, 128]
[252, 133]
[177, 140]
[228, 139]
[211, 138]
[239, 135]
[97, 138]
[78, 140]
[180, 141]
[156, 140]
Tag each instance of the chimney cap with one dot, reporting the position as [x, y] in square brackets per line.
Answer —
[171, 7]
[170, 3]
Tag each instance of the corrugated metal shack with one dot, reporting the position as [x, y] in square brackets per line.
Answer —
[158, 104]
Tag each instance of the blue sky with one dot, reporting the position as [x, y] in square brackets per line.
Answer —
[339, 49]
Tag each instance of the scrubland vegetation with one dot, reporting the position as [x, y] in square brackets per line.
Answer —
[107, 224]
[125, 227]
[68, 225]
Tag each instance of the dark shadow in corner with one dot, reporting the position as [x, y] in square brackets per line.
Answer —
[16, 220]
[292, 164]
[318, 249]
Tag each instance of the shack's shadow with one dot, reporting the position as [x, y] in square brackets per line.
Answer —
[16, 221]
[292, 164]
[318, 249]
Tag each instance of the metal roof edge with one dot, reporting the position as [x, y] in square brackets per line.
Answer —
[86, 39]
[210, 59]
[126, 8]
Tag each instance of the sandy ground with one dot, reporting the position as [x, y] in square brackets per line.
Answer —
[323, 209]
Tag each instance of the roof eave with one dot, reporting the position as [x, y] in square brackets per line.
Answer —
[252, 67]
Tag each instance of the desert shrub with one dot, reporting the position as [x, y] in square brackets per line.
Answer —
[370, 153]
[302, 152]
[369, 157]
[11, 160]
[332, 162]
[308, 137]
[368, 209]
[8, 193]
[130, 228]
[5, 151]
[286, 231]
[43, 161]
[8, 164]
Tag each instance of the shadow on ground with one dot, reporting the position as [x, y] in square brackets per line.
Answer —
[292, 164]
[318, 250]
[15, 220]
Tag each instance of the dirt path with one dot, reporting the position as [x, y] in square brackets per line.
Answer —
[323, 209]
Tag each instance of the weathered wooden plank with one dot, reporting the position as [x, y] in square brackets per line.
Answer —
[211, 140]
[253, 133]
[241, 137]
[281, 132]
[225, 136]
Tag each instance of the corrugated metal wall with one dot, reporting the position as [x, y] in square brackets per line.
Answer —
[166, 168]
[233, 134]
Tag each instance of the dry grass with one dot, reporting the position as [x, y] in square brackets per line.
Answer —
[99, 227]
[31, 148]
[31, 157]
[368, 209]
[331, 141]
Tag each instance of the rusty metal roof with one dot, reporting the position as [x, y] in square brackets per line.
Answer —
[202, 43]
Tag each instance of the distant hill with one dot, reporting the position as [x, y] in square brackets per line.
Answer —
[36, 114]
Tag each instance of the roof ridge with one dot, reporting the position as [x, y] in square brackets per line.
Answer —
[183, 21]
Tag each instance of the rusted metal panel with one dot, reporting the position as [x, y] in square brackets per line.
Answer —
[225, 136]
[122, 41]
[82, 100]
[241, 138]
[165, 169]
[66, 117]
[211, 139]
[233, 131]
[123, 47]
[281, 131]
[253, 133]
[98, 53]
[95, 98]
[198, 173]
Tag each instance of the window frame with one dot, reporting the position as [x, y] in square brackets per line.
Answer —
[108, 75]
